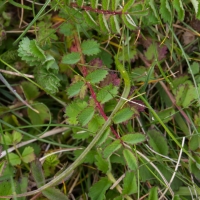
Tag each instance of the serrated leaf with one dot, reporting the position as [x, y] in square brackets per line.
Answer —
[178, 5]
[133, 138]
[75, 88]
[86, 115]
[103, 24]
[98, 190]
[157, 142]
[102, 164]
[16, 137]
[114, 24]
[123, 115]
[14, 159]
[130, 159]
[90, 47]
[7, 139]
[95, 123]
[152, 5]
[54, 194]
[165, 11]
[71, 58]
[37, 172]
[195, 4]
[107, 93]
[30, 90]
[129, 183]
[111, 148]
[128, 21]
[28, 155]
[96, 76]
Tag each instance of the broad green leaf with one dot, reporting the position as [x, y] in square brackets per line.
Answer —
[123, 115]
[54, 194]
[102, 164]
[30, 91]
[103, 138]
[67, 29]
[153, 194]
[5, 189]
[98, 190]
[16, 137]
[140, 74]
[129, 183]
[71, 58]
[28, 155]
[86, 115]
[90, 47]
[96, 76]
[37, 172]
[178, 5]
[14, 159]
[7, 139]
[130, 159]
[179, 80]
[194, 142]
[194, 68]
[111, 148]
[157, 142]
[133, 138]
[166, 114]
[75, 88]
[39, 118]
[95, 123]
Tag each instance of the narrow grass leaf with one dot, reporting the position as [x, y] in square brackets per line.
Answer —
[111, 148]
[157, 142]
[133, 138]
[129, 183]
[98, 190]
[130, 159]
[123, 115]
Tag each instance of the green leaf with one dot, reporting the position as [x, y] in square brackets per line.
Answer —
[37, 172]
[28, 155]
[30, 90]
[128, 5]
[129, 183]
[52, 160]
[5, 189]
[130, 159]
[157, 142]
[166, 114]
[114, 4]
[80, 3]
[111, 148]
[114, 24]
[139, 74]
[89, 158]
[194, 142]
[153, 194]
[7, 139]
[195, 4]
[54, 194]
[96, 76]
[178, 5]
[95, 123]
[123, 115]
[94, 4]
[98, 190]
[71, 58]
[86, 115]
[165, 11]
[89, 19]
[90, 47]
[103, 24]
[105, 4]
[133, 138]
[16, 137]
[75, 88]
[107, 93]
[194, 68]
[102, 164]
[128, 21]
[14, 159]
[39, 118]
[66, 29]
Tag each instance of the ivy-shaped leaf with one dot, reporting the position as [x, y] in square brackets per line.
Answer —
[71, 58]
[96, 76]
[98, 190]
[90, 47]
[123, 115]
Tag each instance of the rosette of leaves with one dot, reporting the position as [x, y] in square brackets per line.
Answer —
[46, 71]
